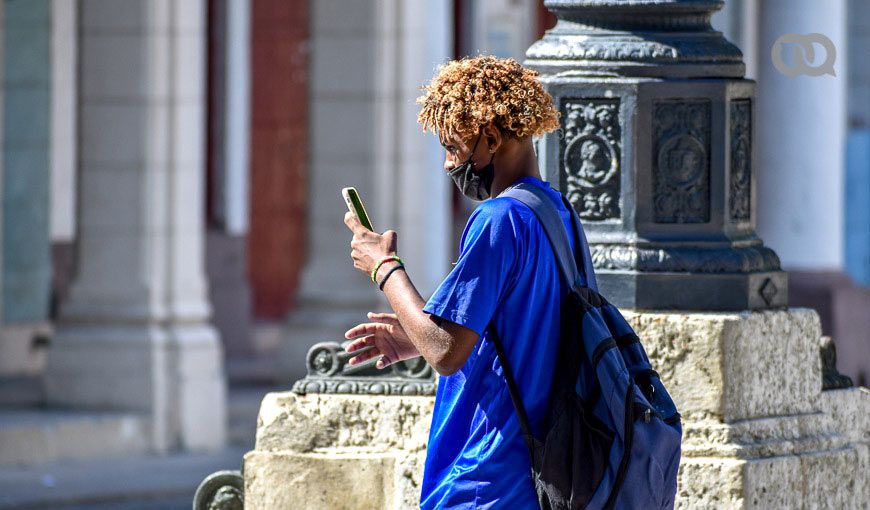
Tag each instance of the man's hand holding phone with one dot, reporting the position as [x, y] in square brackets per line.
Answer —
[368, 248]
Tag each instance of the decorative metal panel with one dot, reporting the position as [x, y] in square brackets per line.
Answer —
[590, 152]
[681, 161]
[740, 187]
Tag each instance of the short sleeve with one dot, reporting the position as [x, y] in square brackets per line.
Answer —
[488, 260]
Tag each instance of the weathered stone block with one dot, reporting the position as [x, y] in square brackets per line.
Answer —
[735, 366]
[346, 480]
[307, 423]
[314, 451]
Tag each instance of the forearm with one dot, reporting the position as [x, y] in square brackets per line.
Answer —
[436, 345]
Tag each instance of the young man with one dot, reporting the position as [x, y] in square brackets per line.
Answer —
[485, 111]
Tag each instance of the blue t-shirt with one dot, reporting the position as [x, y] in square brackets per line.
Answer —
[507, 271]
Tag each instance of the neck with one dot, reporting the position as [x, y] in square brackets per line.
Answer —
[514, 160]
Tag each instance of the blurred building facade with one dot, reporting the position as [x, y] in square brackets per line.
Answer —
[171, 171]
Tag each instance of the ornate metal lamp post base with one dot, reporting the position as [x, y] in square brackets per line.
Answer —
[656, 153]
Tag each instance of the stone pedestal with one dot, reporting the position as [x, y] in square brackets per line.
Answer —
[759, 432]
[338, 451]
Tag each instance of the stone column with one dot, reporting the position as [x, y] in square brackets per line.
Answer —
[134, 334]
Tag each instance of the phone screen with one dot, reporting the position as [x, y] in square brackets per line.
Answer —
[355, 205]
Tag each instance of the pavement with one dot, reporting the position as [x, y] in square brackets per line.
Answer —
[137, 483]
[140, 482]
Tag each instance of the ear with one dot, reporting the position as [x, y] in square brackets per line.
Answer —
[494, 137]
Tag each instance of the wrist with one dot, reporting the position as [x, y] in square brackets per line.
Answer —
[391, 260]
[388, 272]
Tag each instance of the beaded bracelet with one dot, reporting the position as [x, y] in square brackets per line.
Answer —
[390, 272]
[392, 258]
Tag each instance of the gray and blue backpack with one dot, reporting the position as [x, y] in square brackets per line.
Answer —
[612, 439]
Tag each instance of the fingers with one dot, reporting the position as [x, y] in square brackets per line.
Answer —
[368, 328]
[360, 344]
[363, 357]
[386, 318]
[353, 223]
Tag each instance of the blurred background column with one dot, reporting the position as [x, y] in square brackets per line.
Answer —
[227, 185]
[364, 134]
[134, 334]
[813, 184]
[26, 258]
[412, 192]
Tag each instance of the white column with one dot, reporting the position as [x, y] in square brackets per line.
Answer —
[134, 334]
[801, 136]
[238, 115]
[63, 120]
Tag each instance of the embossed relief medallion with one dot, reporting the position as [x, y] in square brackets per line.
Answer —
[740, 188]
[590, 153]
[681, 161]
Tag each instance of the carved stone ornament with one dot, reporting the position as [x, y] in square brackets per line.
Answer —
[590, 157]
[222, 490]
[681, 161]
[329, 372]
[831, 378]
[740, 192]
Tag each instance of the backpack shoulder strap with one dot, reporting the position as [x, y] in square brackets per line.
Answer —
[585, 260]
[513, 390]
[547, 213]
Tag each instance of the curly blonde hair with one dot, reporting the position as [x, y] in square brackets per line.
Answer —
[469, 93]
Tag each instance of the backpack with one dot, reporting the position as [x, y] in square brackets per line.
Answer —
[612, 437]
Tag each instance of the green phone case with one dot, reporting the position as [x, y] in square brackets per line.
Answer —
[359, 209]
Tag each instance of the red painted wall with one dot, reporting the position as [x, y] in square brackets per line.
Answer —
[279, 153]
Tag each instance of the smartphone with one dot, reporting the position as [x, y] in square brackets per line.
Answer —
[355, 205]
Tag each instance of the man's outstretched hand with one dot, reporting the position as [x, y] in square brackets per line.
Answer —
[386, 335]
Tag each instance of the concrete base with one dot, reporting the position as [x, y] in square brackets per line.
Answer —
[758, 430]
[35, 436]
[171, 375]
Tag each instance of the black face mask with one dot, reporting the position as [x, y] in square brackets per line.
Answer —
[474, 185]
